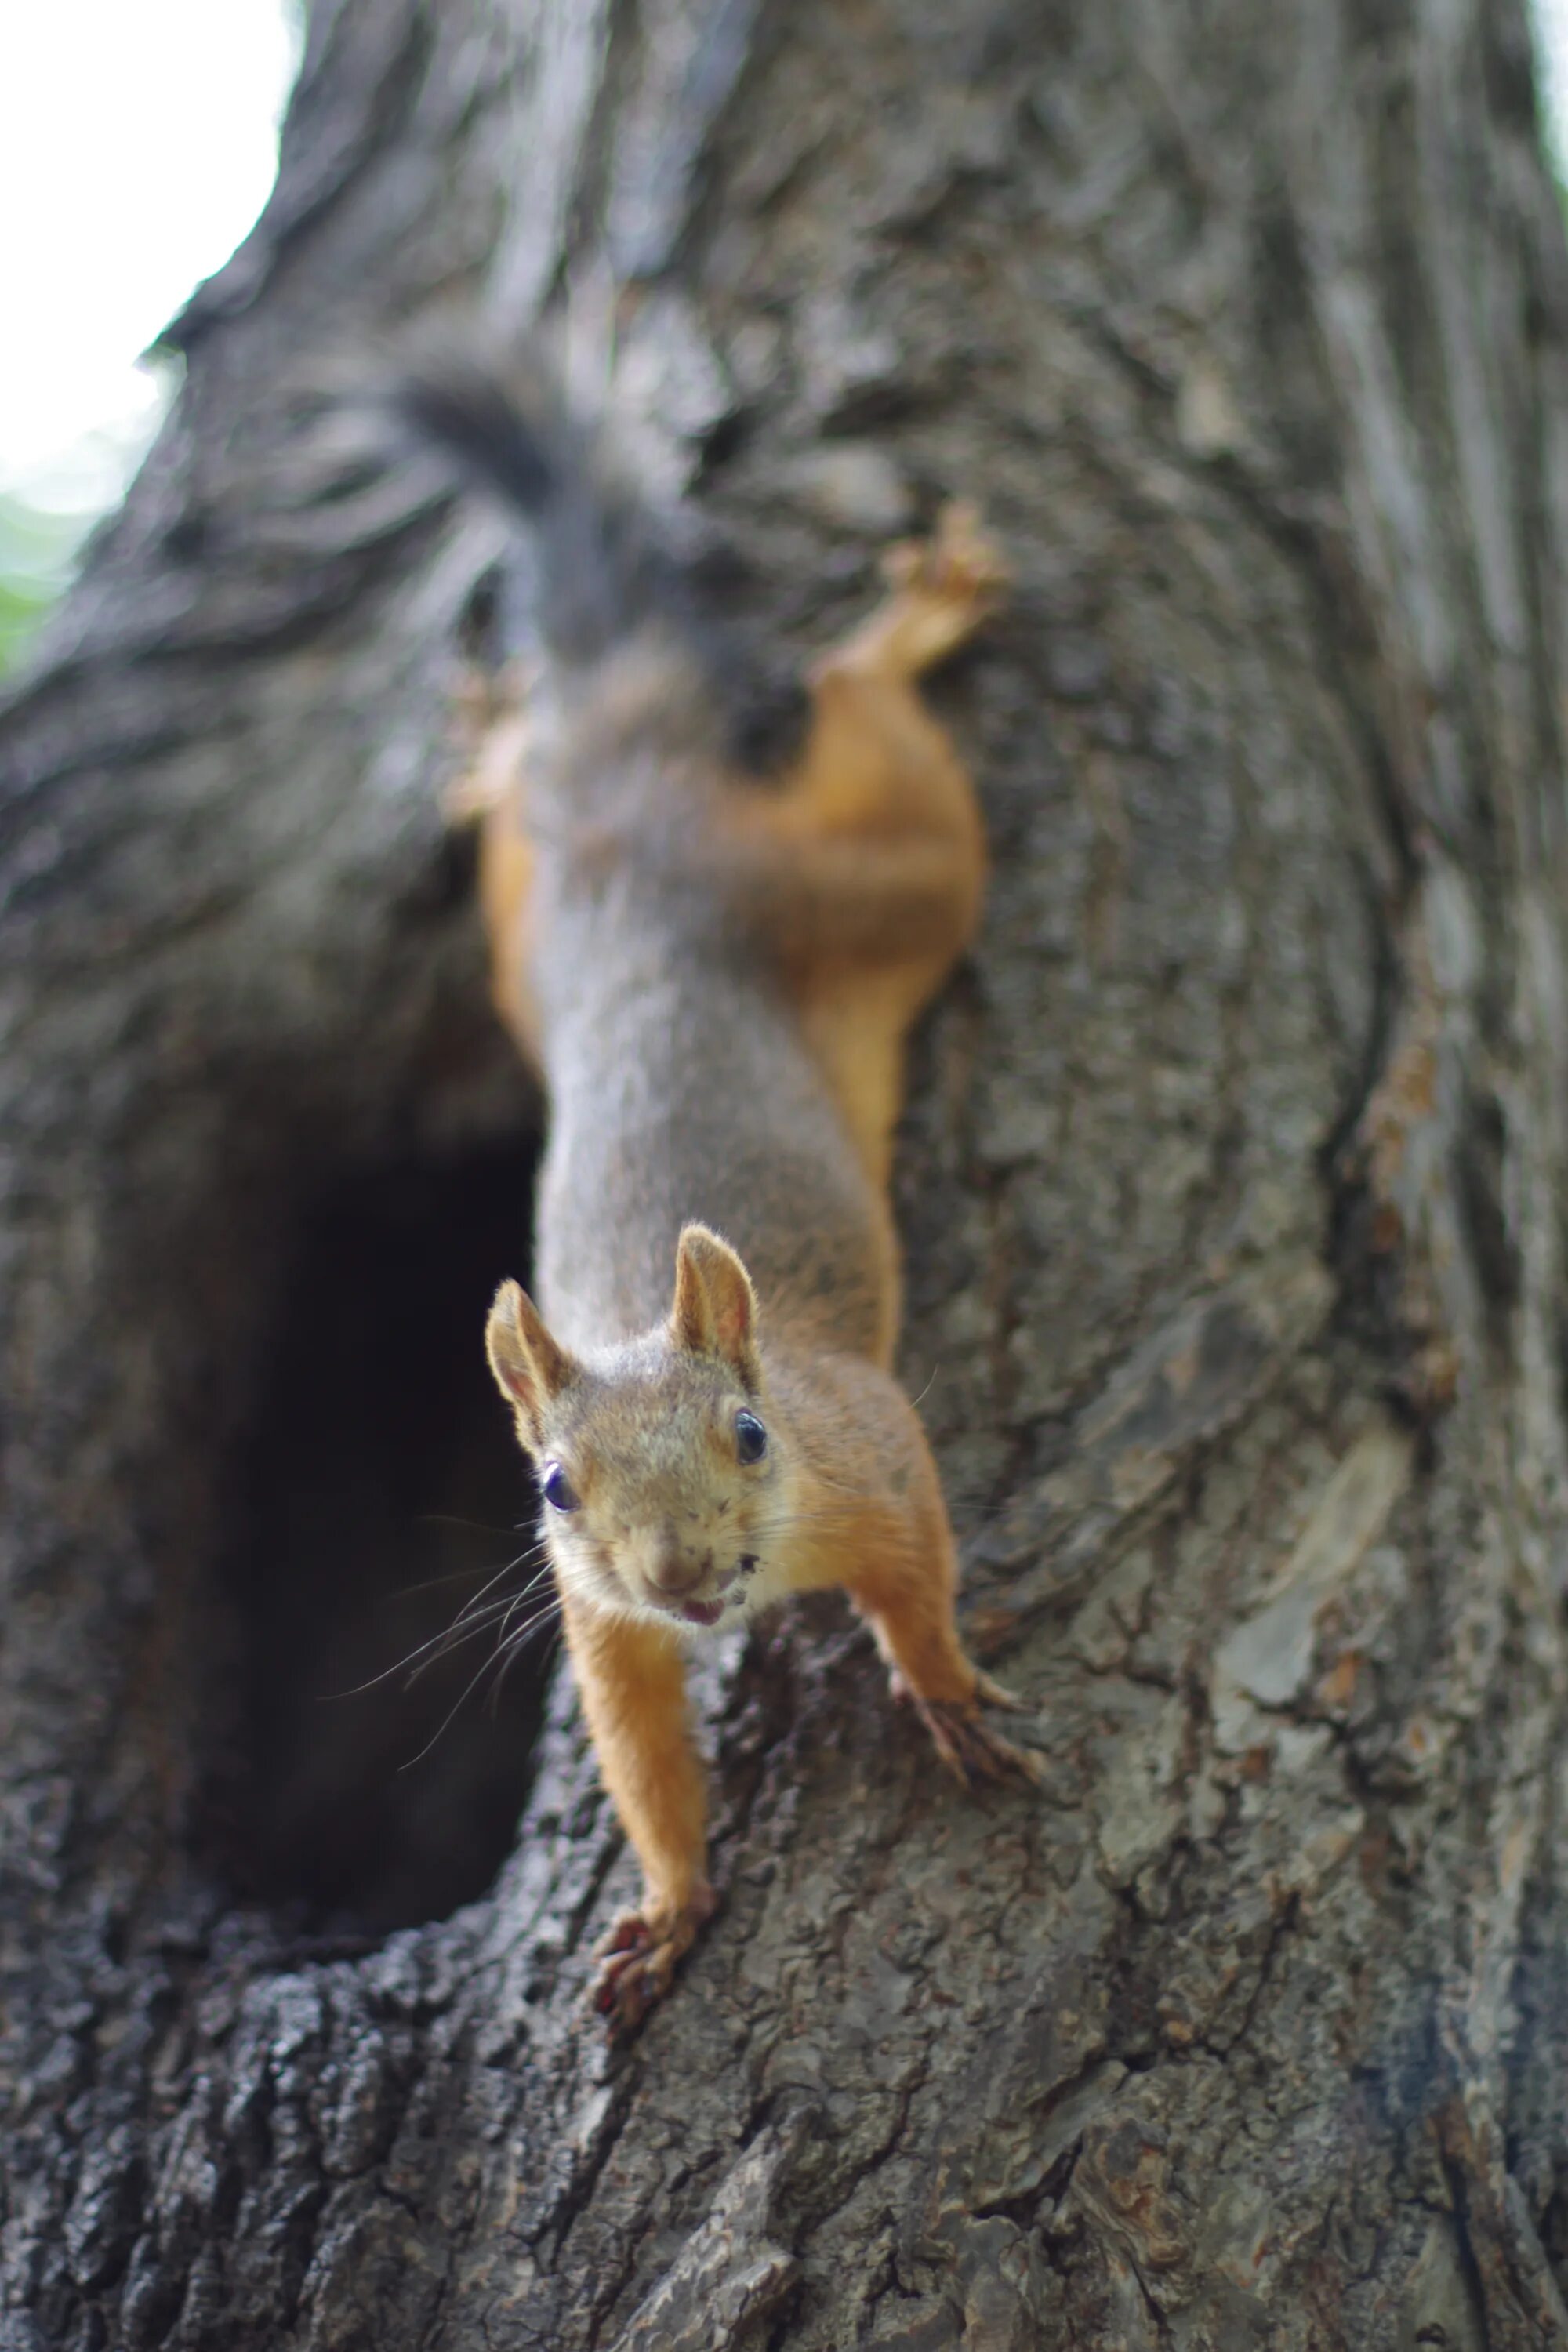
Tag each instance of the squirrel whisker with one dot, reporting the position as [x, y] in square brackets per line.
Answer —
[524, 1559]
[443, 1645]
[472, 1618]
[503, 1655]
[451, 1715]
[511, 1649]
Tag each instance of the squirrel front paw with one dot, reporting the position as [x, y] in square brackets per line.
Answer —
[639, 1955]
[965, 1742]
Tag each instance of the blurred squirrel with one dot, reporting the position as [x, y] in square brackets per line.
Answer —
[714, 970]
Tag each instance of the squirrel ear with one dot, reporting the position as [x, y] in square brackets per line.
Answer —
[529, 1365]
[715, 1311]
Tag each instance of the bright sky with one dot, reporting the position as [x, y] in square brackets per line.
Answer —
[137, 140]
[1551, 47]
[137, 145]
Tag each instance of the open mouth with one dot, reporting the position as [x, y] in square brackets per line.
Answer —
[728, 1596]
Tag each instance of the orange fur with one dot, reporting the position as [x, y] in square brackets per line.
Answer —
[632, 1678]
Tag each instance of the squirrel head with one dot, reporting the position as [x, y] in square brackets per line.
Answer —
[663, 1476]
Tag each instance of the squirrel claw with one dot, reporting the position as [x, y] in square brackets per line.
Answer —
[968, 1747]
[997, 1694]
[639, 1957]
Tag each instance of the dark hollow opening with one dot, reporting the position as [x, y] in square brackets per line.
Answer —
[379, 1492]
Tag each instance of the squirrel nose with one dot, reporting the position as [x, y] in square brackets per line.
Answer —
[670, 1572]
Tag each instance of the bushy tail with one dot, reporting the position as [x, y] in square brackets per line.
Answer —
[605, 564]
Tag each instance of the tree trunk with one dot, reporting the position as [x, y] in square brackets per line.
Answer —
[1231, 1189]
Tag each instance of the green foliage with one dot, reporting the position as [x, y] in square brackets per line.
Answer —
[37, 547]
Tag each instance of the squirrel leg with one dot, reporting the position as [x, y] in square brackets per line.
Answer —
[870, 854]
[944, 589]
[876, 762]
[907, 1600]
[892, 1550]
[866, 868]
[631, 1679]
[506, 887]
[488, 795]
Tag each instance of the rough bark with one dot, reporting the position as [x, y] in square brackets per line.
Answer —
[1232, 1193]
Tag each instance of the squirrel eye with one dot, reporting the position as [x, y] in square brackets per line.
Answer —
[559, 1491]
[751, 1437]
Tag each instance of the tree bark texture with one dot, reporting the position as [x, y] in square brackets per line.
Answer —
[1232, 1190]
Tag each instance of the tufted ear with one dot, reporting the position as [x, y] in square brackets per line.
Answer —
[530, 1367]
[715, 1310]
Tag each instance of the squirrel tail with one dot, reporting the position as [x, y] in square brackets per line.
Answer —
[606, 565]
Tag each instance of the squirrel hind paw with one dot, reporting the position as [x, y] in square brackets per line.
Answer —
[960, 566]
[969, 1748]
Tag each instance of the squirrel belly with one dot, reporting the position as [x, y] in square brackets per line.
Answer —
[715, 973]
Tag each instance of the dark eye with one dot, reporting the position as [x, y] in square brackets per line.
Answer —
[559, 1491]
[751, 1437]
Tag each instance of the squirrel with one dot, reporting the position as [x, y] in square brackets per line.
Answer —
[713, 969]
